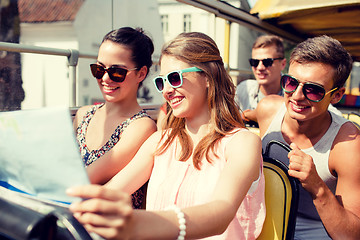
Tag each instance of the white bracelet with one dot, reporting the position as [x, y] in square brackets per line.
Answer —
[182, 221]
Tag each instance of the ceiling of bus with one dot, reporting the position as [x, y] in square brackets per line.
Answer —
[339, 19]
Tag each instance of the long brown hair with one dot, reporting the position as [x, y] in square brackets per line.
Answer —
[198, 49]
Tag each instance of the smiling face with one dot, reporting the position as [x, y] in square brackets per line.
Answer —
[268, 75]
[297, 105]
[116, 55]
[189, 100]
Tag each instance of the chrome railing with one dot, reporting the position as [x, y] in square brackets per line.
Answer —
[72, 55]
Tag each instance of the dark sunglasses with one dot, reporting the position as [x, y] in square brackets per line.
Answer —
[313, 92]
[267, 62]
[174, 78]
[116, 74]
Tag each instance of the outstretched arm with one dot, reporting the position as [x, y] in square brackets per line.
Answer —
[106, 212]
[114, 161]
[139, 169]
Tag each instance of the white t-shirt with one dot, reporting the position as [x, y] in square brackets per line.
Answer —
[248, 94]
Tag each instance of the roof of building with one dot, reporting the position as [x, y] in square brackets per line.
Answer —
[48, 10]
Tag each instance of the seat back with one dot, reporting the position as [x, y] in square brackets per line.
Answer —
[281, 198]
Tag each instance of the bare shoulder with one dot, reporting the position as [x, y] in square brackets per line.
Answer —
[348, 136]
[82, 110]
[266, 110]
[152, 141]
[243, 154]
[269, 103]
[344, 162]
[245, 135]
[244, 141]
[80, 114]
[345, 153]
[144, 125]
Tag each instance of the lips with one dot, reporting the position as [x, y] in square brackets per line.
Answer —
[175, 100]
[298, 108]
[261, 75]
[109, 88]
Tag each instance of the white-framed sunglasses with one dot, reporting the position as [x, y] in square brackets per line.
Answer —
[174, 78]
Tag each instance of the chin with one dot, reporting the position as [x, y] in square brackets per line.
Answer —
[107, 98]
[179, 114]
[298, 116]
[262, 81]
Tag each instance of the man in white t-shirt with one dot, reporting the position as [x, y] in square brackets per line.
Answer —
[267, 61]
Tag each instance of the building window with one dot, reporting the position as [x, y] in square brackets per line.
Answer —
[187, 23]
[165, 23]
[86, 100]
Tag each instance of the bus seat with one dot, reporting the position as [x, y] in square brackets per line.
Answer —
[253, 127]
[281, 199]
[254, 130]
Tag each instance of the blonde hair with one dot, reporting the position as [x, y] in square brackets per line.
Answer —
[198, 49]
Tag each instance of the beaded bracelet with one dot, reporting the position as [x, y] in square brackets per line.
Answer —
[182, 221]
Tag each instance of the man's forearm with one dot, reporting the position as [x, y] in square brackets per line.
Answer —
[339, 222]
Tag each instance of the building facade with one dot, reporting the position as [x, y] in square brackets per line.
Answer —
[81, 24]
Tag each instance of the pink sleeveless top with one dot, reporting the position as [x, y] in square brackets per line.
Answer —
[179, 183]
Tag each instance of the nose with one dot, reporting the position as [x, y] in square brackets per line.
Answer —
[260, 65]
[168, 89]
[299, 93]
[106, 77]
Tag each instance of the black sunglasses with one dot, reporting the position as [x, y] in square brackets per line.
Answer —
[267, 62]
[313, 92]
[116, 74]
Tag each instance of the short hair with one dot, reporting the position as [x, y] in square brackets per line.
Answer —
[137, 41]
[265, 41]
[327, 50]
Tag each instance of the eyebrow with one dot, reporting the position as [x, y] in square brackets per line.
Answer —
[114, 65]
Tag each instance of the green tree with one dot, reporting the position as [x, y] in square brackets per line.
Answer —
[11, 90]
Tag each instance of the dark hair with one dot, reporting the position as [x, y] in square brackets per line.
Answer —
[268, 41]
[137, 41]
[324, 49]
[199, 50]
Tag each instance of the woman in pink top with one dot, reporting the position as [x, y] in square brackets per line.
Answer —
[204, 169]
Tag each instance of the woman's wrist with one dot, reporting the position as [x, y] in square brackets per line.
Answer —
[181, 220]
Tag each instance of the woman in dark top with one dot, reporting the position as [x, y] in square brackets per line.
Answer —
[110, 134]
